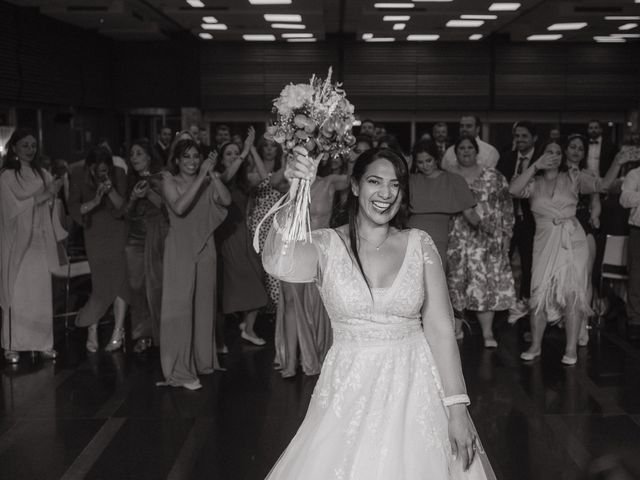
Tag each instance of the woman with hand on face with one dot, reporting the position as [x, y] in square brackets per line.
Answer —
[96, 201]
[559, 279]
[148, 226]
[195, 199]
[437, 195]
[28, 250]
[390, 402]
[479, 272]
[241, 280]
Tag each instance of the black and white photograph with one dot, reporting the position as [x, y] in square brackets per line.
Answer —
[319, 240]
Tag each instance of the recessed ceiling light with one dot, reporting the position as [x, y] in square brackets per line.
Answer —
[209, 19]
[465, 23]
[557, 27]
[289, 26]
[399, 26]
[606, 39]
[270, 2]
[381, 39]
[259, 37]
[282, 17]
[292, 40]
[393, 5]
[367, 36]
[626, 35]
[205, 36]
[479, 17]
[432, 1]
[628, 26]
[396, 18]
[195, 3]
[214, 26]
[475, 36]
[622, 17]
[544, 37]
[504, 7]
[422, 38]
[297, 35]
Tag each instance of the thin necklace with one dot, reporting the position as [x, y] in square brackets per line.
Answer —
[377, 247]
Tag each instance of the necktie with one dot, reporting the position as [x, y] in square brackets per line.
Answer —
[520, 164]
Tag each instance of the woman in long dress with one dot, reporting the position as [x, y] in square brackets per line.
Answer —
[28, 252]
[266, 194]
[303, 329]
[96, 201]
[390, 402]
[479, 272]
[437, 195]
[559, 279]
[195, 199]
[242, 288]
[148, 226]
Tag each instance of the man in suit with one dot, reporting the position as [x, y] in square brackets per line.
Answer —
[512, 164]
[488, 156]
[163, 145]
[440, 135]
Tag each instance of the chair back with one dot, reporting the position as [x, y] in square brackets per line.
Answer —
[614, 262]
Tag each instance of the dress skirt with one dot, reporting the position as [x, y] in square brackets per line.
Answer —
[376, 414]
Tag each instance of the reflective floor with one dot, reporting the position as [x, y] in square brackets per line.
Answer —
[102, 417]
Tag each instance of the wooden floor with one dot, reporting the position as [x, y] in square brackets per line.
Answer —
[102, 417]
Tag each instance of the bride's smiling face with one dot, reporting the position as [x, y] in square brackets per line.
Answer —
[378, 192]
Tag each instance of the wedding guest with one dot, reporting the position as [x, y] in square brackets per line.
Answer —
[162, 146]
[488, 156]
[182, 135]
[555, 133]
[440, 135]
[117, 160]
[437, 195]
[559, 280]
[96, 201]
[479, 274]
[511, 164]
[630, 198]
[303, 329]
[29, 231]
[222, 135]
[265, 195]
[195, 199]
[368, 127]
[242, 288]
[148, 226]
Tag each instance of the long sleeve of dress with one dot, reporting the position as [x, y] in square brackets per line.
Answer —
[295, 262]
[438, 320]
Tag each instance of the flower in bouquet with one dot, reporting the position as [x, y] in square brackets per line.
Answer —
[312, 119]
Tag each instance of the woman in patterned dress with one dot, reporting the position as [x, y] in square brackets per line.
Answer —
[479, 275]
[267, 193]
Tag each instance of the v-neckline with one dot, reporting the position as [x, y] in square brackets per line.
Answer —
[384, 290]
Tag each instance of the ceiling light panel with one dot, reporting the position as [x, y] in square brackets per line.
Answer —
[205, 36]
[270, 2]
[606, 39]
[475, 36]
[195, 3]
[381, 39]
[393, 5]
[628, 26]
[422, 38]
[259, 37]
[297, 35]
[214, 26]
[545, 37]
[288, 26]
[280, 17]
[504, 7]
[399, 26]
[299, 40]
[465, 23]
[622, 17]
[479, 17]
[558, 27]
[209, 19]
[396, 18]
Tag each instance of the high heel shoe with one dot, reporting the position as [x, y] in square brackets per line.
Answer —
[142, 345]
[569, 361]
[92, 339]
[528, 356]
[490, 343]
[117, 338]
[252, 339]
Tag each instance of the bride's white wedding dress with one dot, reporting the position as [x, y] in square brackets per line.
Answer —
[376, 412]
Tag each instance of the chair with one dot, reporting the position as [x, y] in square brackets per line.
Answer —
[614, 261]
[76, 267]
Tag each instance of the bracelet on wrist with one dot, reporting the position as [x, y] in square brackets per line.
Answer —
[456, 400]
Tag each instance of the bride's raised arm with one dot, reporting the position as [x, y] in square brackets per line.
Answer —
[295, 261]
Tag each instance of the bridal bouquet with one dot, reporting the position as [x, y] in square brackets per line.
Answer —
[312, 119]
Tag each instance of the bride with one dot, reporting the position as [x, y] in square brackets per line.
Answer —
[391, 401]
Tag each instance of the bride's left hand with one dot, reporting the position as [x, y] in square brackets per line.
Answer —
[462, 436]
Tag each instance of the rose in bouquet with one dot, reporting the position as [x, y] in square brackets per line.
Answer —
[312, 119]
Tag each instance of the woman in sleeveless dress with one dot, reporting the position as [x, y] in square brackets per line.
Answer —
[559, 279]
[390, 402]
[195, 199]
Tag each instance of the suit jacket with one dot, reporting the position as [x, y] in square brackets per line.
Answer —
[607, 154]
[507, 167]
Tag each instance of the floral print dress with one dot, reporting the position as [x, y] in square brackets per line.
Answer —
[479, 274]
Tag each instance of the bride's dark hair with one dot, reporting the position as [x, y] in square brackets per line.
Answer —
[359, 169]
